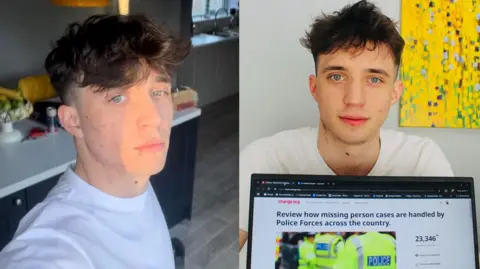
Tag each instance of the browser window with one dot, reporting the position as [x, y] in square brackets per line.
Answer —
[345, 225]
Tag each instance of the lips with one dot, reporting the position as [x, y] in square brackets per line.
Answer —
[152, 146]
[354, 120]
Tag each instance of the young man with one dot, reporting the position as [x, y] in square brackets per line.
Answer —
[357, 54]
[113, 74]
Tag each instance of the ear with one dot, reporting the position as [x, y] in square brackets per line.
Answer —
[68, 116]
[397, 91]
[312, 84]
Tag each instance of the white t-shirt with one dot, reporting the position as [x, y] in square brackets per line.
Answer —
[78, 226]
[295, 152]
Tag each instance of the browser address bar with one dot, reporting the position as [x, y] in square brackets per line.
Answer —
[351, 190]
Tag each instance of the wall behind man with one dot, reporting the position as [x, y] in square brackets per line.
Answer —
[274, 73]
[29, 27]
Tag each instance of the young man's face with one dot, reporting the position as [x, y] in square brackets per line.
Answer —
[354, 91]
[128, 128]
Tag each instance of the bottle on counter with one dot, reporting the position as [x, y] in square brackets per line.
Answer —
[51, 116]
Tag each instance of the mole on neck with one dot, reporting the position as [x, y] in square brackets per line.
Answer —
[346, 153]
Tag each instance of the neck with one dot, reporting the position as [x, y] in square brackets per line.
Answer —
[345, 159]
[109, 180]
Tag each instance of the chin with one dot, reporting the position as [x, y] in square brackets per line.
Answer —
[352, 140]
[355, 138]
[155, 169]
[147, 168]
[352, 137]
[146, 171]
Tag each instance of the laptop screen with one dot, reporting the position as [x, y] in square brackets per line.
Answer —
[354, 222]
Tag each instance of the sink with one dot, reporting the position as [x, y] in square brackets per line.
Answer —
[224, 33]
[227, 33]
[210, 38]
[205, 39]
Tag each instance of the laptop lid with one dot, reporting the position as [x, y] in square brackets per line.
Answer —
[382, 222]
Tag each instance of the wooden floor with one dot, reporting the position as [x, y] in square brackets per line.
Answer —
[211, 237]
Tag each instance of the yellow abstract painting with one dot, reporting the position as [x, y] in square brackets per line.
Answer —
[440, 64]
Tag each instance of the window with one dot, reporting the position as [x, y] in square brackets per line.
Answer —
[207, 8]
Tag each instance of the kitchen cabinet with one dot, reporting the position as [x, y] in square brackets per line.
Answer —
[227, 77]
[5, 235]
[12, 208]
[39, 191]
[205, 64]
[212, 70]
[173, 185]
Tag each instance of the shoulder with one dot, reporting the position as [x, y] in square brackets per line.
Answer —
[351, 244]
[42, 241]
[280, 142]
[50, 230]
[424, 154]
[402, 142]
[388, 237]
[57, 210]
[299, 134]
[271, 154]
[400, 139]
[56, 217]
[280, 152]
[48, 251]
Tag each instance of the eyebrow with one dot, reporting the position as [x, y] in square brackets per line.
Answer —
[368, 70]
[162, 78]
[377, 71]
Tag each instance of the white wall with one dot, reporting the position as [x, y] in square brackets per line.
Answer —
[274, 71]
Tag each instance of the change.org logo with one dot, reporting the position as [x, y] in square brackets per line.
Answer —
[289, 202]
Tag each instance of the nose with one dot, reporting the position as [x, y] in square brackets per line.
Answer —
[148, 115]
[354, 94]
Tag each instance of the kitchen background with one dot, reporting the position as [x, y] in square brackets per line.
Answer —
[210, 237]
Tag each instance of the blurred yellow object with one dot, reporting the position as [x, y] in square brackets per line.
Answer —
[9, 94]
[440, 64]
[36, 88]
[81, 3]
[123, 7]
[185, 98]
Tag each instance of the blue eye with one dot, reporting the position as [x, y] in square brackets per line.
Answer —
[336, 77]
[117, 99]
[375, 80]
[161, 93]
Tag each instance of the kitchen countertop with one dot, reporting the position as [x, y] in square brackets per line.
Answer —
[26, 163]
[201, 40]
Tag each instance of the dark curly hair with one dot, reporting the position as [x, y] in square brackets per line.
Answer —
[353, 27]
[112, 51]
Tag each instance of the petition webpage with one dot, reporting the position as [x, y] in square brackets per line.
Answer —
[303, 226]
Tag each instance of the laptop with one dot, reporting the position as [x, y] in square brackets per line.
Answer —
[342, 221]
